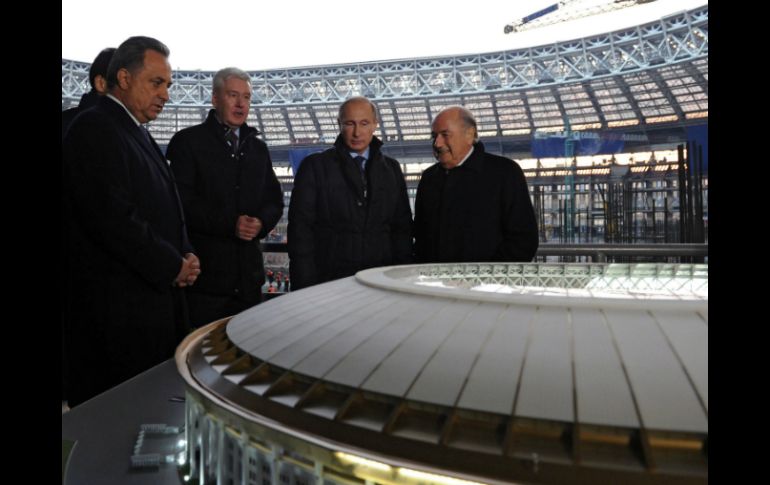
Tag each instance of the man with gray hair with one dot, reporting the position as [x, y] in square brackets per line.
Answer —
[471, 205]
[349, 208]
[231, 199]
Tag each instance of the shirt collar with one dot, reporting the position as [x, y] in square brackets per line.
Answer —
[237, 131]
[353, 155]
[467, 155]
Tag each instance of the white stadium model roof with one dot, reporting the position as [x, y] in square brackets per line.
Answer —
[575, 372]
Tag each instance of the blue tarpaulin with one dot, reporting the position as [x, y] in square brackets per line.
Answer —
[700, 135]
[584, 143]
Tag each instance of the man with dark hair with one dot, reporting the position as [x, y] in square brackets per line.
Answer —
[231, 199]
[349, 208]
[471, 205]
[130, 256]
[97, 77]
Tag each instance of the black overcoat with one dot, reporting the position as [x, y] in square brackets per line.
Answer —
[217, 186]
[127, 239]
[478, 211]
[335, 229]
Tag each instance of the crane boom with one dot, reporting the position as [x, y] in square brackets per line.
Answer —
[567, 10]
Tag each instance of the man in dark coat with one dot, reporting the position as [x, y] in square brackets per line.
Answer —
[129, 248]
[231, 199]
[97, 77]
[349, 208]
[472, 205]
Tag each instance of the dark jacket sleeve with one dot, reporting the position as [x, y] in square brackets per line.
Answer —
[100, 189]
[302, 220]
[200, 215]
[421, 222]
[520, 238]
[401, 225]
[271, 207]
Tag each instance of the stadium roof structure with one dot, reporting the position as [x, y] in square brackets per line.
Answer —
[641, 79]
[483, 372]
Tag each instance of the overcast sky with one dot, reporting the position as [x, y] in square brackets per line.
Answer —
[259, 34]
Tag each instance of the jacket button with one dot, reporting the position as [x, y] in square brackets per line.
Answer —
[237, 187]
[236, 290]
[359, 203]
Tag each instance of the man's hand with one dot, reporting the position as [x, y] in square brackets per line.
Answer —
[247, 227]
[191, 268]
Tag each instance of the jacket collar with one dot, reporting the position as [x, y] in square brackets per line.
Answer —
[475, 161]
[120, 113]
[220, 128]
[350, 171]
[89, 99]
[344, 151]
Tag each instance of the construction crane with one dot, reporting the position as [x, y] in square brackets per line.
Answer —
[567, 10]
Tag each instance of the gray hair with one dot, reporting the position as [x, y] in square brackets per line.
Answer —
[130, 56]
[356, 99]
[466, 117]
[224, 74]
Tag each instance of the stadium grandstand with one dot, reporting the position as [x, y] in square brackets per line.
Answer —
[637, 94]
[587, 365]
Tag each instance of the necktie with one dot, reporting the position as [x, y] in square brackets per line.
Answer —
[360, 161]
[146, 134]
[233, 139]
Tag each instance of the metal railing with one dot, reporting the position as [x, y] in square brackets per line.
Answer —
[597, 252]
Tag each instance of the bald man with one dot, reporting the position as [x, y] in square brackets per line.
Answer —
[471, 205]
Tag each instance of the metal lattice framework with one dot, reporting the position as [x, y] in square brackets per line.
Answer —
[670, 280]
[656, 73]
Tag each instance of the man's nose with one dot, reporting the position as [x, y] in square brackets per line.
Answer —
[164, 93]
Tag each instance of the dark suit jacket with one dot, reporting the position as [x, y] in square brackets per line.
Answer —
[88, 100]
[127, 239]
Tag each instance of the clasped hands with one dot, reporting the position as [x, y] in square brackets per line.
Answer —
[247, 227]
[191, 268]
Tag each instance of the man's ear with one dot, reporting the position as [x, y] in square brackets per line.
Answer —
[100, 84]
[124, 78]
